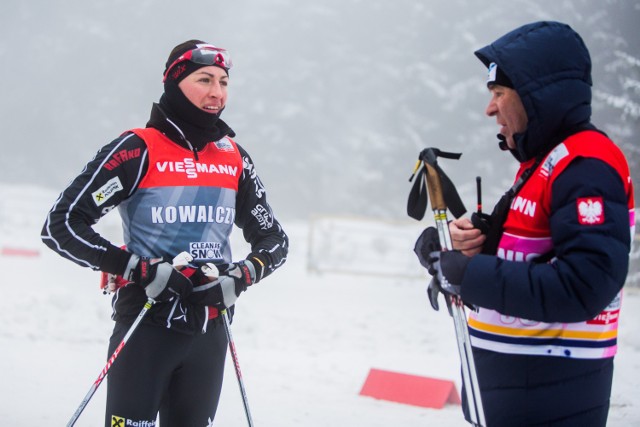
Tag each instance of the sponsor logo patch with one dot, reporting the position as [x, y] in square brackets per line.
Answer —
[105, 192]
[205, 250]
[263, 216]
[224, 145]
[117, 421]
[524, 206]
[192, 168]
[251, 171]
[120, 157]
[590, 210]
[605, 318]
[491, 75]
[557, 154]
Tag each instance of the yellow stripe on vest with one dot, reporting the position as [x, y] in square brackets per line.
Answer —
[542, 333]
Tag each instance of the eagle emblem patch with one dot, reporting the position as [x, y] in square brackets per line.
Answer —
[590, 210]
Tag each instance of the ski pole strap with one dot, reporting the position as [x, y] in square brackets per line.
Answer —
[418, 198]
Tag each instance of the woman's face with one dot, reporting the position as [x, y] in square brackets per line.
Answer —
[206, 88]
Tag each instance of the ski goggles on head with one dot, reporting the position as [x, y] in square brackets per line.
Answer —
[206, 55]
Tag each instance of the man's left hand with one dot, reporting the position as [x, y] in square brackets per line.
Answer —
[447, 269]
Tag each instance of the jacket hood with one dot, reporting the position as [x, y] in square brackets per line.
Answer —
[550, 68]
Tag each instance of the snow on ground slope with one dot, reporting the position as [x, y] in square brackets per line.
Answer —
[305, 341]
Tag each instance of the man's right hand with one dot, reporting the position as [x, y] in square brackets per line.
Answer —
[465, 237]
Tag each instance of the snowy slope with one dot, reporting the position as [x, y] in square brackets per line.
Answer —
[305, 341]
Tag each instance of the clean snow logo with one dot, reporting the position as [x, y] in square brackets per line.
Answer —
[590, 210]
[192, 168]
[205, 250]
[105, 192]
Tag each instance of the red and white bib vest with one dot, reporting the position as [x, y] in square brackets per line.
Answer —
[183, 204]
[527, 236]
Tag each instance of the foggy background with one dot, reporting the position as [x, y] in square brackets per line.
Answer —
[333, 99]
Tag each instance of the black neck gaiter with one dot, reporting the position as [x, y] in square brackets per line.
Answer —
[199, 127]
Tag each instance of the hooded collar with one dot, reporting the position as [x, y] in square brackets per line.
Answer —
[550, 68]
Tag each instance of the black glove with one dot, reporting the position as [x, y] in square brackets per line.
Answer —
[157, 277]
[433, 291]
[481, 221]
[447, 269]
[233, 279]
[427, 243]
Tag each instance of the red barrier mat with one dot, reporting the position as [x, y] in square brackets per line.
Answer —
[410, 389]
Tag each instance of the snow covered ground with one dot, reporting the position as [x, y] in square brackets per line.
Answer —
[306, 341]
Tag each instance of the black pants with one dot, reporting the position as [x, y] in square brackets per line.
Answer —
[161, 371]
[519, 390]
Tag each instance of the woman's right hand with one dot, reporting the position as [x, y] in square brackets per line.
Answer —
[465, 237]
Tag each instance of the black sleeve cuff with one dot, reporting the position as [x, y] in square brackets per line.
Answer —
[260, 263]
[115, 260]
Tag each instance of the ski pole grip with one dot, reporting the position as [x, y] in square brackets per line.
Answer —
[434, 187]
[181, 260]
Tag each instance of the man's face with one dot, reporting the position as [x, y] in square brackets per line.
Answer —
[506, 106]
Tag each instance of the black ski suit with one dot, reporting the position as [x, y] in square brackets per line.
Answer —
[174, 362]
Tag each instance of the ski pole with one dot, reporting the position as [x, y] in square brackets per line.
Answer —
[434, 185]
[114, 356]
[236, 364]
[179, 261]
[211, 271]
